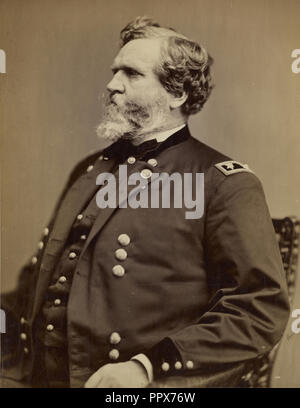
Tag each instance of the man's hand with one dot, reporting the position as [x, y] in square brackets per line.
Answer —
[130, 374]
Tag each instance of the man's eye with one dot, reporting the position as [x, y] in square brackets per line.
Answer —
[131, 72]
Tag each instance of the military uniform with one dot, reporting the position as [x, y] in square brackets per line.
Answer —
[194, 296]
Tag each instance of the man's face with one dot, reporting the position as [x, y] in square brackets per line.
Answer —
[137, 103]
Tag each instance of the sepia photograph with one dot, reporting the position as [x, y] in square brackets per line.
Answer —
[150, 200]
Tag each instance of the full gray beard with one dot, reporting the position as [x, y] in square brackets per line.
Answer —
[130, 122]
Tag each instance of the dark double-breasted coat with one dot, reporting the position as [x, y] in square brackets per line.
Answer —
[193, 294]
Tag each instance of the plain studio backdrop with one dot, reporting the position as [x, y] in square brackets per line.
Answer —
[58, 57]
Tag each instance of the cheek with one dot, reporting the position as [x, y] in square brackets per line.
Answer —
[146, 88]
[148, 94]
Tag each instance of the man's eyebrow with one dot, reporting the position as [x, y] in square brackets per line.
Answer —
[124, 67]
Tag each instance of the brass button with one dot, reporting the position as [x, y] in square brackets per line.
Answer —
[46, 231]
[100, 157]
[72, 255]
[34, 260]
[115, 338]
[41, 245]
[178, 365]
[146, 173]
[23, 336]
[50, 327]
[79, 217]
[152, 162]
[118, 270]
[114, 354]
[62, 279]
[121, 254]
[26, 351]
[131, 160]
[189, 364]
[165, 367]
[105, 158]
[83, 237]
[22, 320]
[57, 302]
[124, 239]
[90, 168]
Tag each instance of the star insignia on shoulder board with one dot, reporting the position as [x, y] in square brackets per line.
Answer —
[232, 167]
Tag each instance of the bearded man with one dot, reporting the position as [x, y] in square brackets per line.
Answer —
[119, 297]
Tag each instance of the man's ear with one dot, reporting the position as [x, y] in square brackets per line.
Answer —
[177, 101]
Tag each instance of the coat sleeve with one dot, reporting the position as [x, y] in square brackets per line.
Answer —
[248, 308]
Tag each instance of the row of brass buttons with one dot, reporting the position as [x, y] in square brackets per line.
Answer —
[178, 365]
[40, 245]
[23, 335]
[121, 255]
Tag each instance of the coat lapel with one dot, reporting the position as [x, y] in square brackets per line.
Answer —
[105, 214]
[77, 196]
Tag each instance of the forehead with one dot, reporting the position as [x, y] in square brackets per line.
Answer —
[142, 53]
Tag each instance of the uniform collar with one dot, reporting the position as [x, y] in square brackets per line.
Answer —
[163, 135]
[123, 148]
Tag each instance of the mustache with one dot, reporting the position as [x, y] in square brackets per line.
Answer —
[111, 98]
[129, 109]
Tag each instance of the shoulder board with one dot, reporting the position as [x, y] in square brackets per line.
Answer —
[232, 167]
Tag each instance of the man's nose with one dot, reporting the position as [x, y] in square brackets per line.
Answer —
[116, 84]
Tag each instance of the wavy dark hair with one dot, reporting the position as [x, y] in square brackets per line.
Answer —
[184, 66]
